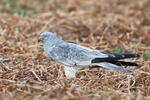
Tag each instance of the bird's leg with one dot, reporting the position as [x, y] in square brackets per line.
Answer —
[70, 71]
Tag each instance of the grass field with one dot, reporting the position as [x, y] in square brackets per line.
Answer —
[119, 26]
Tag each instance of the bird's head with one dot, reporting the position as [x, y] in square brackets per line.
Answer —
[46, 36]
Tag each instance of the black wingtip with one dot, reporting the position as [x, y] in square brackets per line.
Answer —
[123, 56]
[120, 63]
[137, 55]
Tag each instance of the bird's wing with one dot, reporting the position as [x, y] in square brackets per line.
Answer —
[70, 54]
[112, 57]
[73, 54]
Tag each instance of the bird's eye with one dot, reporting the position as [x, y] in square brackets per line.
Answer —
[45, 36]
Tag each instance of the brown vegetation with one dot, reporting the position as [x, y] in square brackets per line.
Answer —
[109, 25]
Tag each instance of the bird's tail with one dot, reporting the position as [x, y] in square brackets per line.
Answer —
[112, 66]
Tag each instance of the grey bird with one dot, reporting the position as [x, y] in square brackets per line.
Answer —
[71, 55]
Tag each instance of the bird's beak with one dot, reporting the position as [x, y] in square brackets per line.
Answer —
[40, 39]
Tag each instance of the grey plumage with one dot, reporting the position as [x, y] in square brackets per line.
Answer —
[71, 55]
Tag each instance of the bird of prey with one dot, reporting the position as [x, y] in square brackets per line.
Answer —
[71, 55]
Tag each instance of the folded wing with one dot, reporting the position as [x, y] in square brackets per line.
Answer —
[70, 54]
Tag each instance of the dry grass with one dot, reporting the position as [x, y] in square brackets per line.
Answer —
[109, 25]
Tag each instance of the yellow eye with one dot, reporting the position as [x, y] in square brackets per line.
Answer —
[45, 36]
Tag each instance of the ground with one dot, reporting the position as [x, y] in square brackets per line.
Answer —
[119, 26]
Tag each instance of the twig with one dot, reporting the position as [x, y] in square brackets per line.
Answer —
[36, 76]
